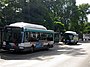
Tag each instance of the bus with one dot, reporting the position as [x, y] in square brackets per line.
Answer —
[70, 37]
[23, 36]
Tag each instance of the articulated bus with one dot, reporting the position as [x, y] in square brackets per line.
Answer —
[70, 37]
[23, 36]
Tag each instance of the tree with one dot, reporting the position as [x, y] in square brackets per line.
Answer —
[61, 10]
[83, 12]
[74, 18]
[59, 27]
[45, 12]
[3, 4]
[86, 27]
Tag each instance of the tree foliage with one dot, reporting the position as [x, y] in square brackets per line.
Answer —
[45, 12]
[83, 12]
[86, 27]
[59, 27]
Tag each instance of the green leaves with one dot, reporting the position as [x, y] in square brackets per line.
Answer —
[59, 27]
[59, 23]
[59, 15]
[86, 27]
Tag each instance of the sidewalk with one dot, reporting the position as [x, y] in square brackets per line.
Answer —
[87, 41]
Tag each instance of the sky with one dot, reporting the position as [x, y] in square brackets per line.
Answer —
[83, 1]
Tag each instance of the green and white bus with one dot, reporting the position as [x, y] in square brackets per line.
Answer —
[23, 36]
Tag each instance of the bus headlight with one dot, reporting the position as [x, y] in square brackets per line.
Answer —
[21, 46]
[72, 40]
[4, 43]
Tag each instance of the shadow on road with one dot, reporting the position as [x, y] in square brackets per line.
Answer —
[87, 41]
[44, 55]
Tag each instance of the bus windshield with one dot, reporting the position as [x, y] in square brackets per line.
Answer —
[12, 35]
[69, 36]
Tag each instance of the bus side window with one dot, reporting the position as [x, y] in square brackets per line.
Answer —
[33, 37]
[26, 37]
[38, 36]
[43, 36]
[50, 37]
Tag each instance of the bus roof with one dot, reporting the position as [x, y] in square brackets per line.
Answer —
[71, 32]
[37, 30]
[28, 25]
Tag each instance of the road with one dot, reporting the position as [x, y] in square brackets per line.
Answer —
[59, 56]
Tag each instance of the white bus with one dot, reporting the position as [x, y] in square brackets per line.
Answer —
[22, 36]
[70, 37]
